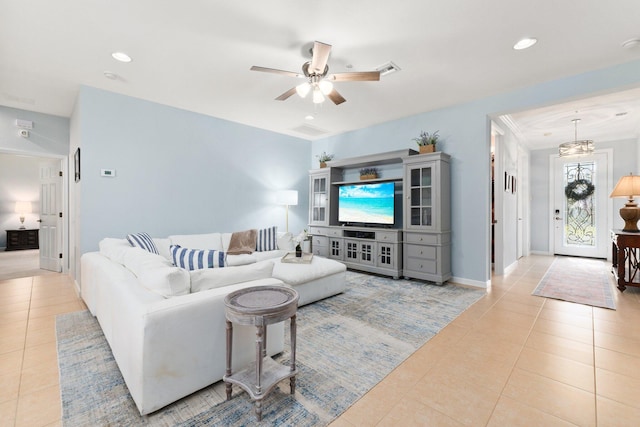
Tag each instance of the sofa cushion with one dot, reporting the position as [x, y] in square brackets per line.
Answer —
[242, 242]
[296, 274]
[242, 259]
[285, 241]
[202, 280]
[143, 241]
[267, 239]
[163, 247]
[114, 249]
[157, 273]
[198, 241]
[197, 259]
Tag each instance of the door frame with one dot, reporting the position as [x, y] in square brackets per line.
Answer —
[608, 210]
[64, 203]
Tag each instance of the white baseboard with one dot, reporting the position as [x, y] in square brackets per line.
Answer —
[468, 282]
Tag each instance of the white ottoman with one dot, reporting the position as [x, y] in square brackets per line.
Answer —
[320, 279]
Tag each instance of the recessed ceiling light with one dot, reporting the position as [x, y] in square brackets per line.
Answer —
[525, 43]
[309, 117]
[110, 75]
[631, 43]
[121, 56]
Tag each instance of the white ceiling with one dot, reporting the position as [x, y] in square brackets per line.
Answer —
[196, 55]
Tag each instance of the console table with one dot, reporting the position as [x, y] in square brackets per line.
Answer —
[261, 306]
[22, 239]
[625, 258]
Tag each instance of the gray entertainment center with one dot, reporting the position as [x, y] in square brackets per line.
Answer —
[417, 244]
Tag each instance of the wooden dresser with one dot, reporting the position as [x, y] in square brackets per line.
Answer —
[22, 239]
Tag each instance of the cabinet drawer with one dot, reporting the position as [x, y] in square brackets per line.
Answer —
[322, 251]
[421, 265]
[387, 236]
[320, 241]
[421, 252]
[318, 231]
[422, 238]
[334, 232]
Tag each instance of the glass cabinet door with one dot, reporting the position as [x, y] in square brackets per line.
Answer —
[319, 197]
[421, 197]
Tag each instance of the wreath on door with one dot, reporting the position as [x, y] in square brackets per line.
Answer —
[580, 189]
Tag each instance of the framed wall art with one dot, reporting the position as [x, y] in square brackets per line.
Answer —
[76, 164]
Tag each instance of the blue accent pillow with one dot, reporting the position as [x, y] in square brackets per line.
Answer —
[267, 239]
[143, 241]
[197, 259]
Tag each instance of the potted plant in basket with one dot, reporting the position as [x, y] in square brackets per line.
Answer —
[427, 142]
[368, 173]
[324, 158]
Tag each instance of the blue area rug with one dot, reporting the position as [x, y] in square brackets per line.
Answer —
[346, 344]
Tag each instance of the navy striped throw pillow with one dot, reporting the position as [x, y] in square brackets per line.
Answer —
[197, 259]
[267, 239]
[143, 241]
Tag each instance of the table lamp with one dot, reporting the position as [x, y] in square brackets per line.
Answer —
[628, 186]
[22, 208]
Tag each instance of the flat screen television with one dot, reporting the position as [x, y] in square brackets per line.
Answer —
[366, 203]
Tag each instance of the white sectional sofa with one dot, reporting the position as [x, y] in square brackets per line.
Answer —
[166, 325]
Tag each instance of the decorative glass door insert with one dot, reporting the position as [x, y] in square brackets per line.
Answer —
[421, 196]
[579, 204]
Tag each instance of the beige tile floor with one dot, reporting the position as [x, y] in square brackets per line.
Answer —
[512, 359]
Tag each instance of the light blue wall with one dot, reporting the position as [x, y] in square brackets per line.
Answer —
[624, 162]
[49, 136]
[179, 172]
[19, 176]
[466, 134]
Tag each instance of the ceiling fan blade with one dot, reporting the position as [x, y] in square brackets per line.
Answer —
[358, 76]
[287, 94]
[336, 97]
[276, 71]
[320, 57]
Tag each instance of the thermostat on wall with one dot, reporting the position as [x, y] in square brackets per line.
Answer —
[108, 172]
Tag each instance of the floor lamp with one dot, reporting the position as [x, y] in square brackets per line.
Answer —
[287, 198]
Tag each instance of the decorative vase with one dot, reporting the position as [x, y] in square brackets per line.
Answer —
[431, 148]
[323, 165]
[298, 251]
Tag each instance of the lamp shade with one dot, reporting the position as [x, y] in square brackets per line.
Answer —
[628, 186]
[287, 197]
[23, 207]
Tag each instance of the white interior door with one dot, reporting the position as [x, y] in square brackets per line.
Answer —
[50, 216]
[580, 214]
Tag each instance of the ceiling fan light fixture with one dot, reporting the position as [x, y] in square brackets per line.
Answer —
[318, 98]
[325, 87]
[303, 89]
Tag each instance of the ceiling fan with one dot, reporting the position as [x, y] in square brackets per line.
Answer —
[318, 81]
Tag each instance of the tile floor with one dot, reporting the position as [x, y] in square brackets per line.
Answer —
[512, 359]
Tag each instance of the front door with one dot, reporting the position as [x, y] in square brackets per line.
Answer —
[50, 216]
[580, 191]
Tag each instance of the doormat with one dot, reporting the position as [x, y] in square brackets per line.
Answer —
[579, 280]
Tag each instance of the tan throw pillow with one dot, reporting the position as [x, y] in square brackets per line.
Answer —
[243, 242]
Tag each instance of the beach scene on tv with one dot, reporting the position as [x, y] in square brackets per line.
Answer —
[366, 203]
